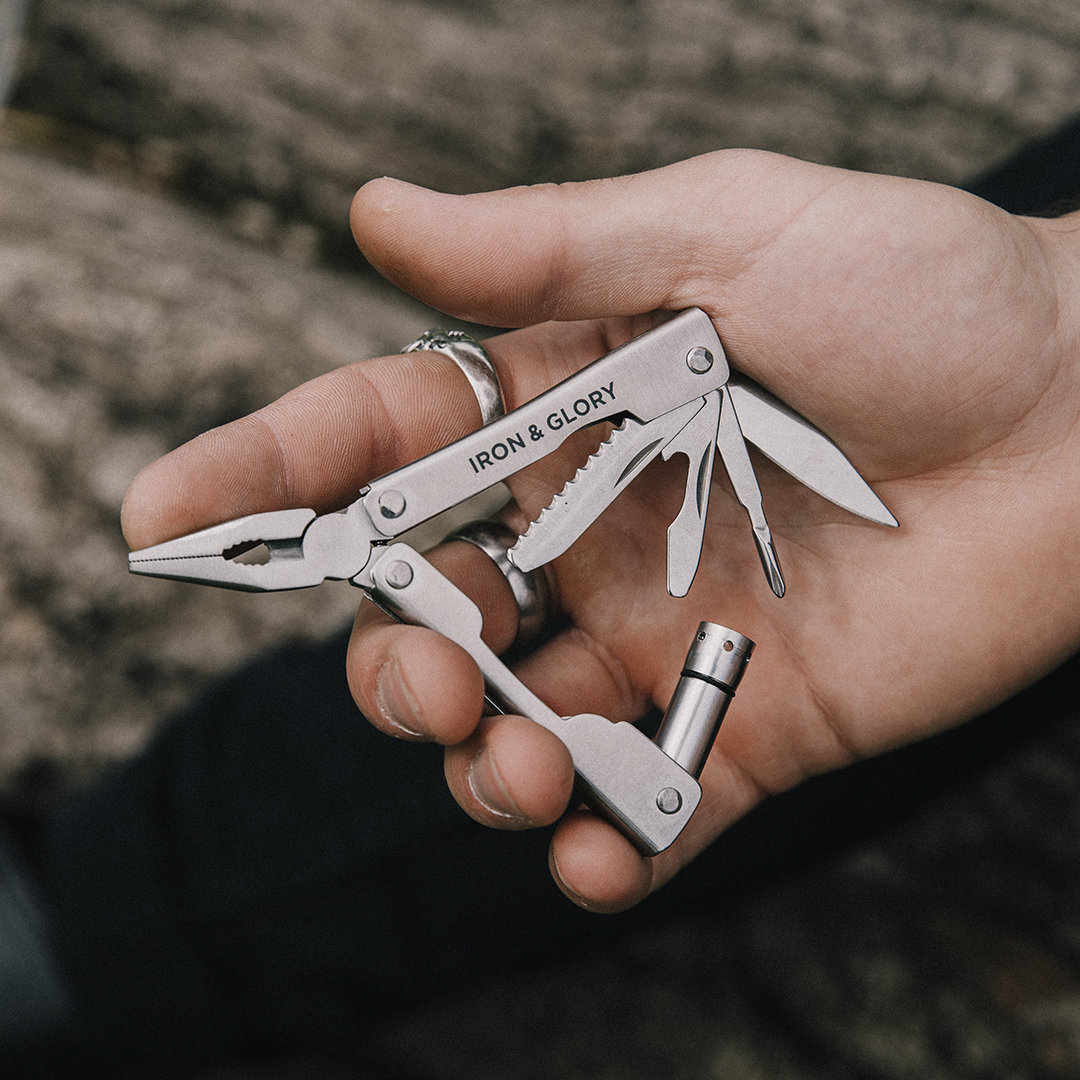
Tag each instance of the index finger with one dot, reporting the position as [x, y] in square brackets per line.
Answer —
[316, 446]
[313, 447]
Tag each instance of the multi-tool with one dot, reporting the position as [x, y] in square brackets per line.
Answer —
[669, 391]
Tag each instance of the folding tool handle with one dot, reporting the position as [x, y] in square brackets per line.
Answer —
[653, 374]
[620, 773]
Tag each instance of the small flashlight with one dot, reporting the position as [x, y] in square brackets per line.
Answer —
[714, 665]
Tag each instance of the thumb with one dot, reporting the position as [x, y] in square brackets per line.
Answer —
[571, 251]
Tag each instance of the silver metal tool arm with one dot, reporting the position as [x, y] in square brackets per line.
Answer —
[736, 459]
[620, 772]
[686, 534]
[799, 448]
[670, 365]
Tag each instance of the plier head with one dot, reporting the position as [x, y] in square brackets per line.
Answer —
[268, 552]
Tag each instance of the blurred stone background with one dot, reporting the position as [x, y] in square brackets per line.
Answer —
[174, 252]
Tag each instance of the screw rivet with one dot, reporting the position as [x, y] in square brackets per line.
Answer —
[399, 574]
[669, 801]
[699, 360]
[391, 504]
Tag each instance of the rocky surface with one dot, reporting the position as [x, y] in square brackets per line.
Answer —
[274, 112]
[174, 178]
[128, 326]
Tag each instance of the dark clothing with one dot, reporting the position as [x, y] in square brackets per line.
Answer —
[274, 872]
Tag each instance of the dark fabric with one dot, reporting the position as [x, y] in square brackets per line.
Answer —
[1042, 178]
[273, 872]
[33, 1003]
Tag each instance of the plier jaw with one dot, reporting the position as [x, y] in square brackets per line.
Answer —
[268, 552]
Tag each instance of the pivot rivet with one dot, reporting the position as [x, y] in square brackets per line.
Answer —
[699, 360]
[399, 574]
[391, 504]
[669, 801]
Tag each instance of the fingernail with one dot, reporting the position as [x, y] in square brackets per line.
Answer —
[489, 789]
[395, 701]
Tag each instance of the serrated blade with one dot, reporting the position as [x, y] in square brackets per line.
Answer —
[607, 473]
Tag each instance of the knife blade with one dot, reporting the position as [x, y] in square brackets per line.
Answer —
[799, 448]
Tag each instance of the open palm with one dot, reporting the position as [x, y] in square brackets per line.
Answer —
[923, 330]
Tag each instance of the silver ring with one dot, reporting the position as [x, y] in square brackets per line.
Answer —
[473, 359]
[531, 590]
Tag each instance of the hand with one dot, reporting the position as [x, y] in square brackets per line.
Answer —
[930, 334]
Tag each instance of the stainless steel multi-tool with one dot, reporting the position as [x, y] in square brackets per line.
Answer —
[669, 392]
